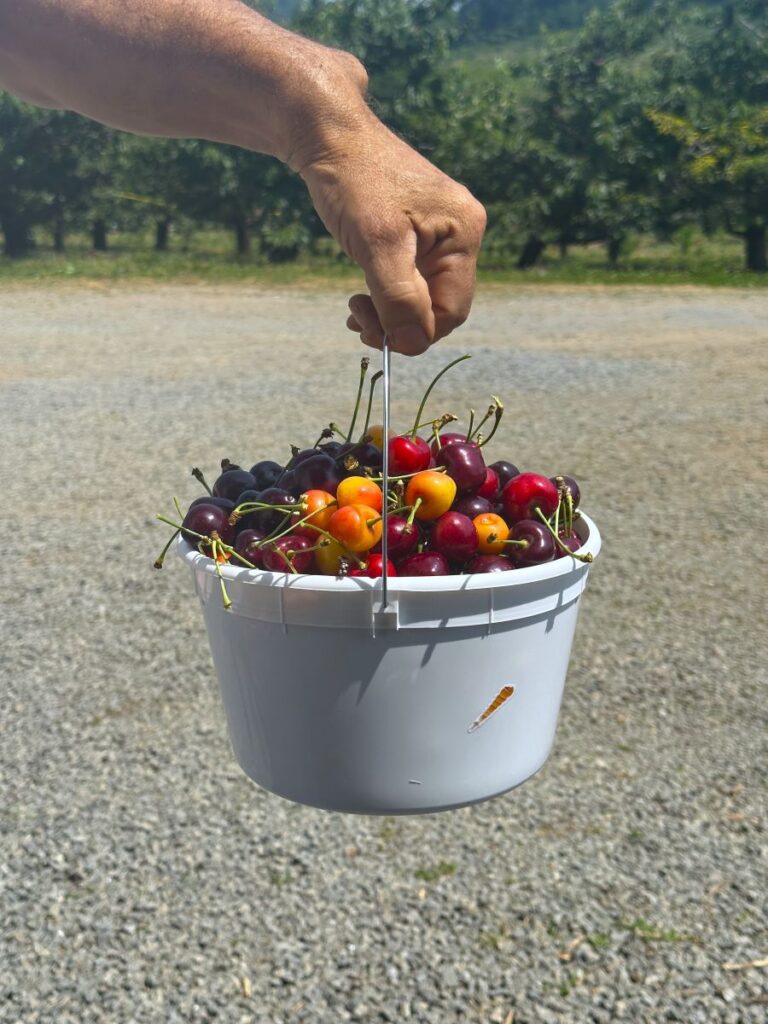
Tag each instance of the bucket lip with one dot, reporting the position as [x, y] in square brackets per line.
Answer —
[564, 566]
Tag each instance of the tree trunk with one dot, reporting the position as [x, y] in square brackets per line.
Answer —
[614, 251]
[100, 235]
[242, 237]
[531, 253]
[58, 235]
[755, 247]
[16, 239]
[162, 229]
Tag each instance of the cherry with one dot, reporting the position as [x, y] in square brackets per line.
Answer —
[319, 472]
[266, 519]
[464, 463]
[247, 545]
[526, 492]
[454, 535]
[572, 486]
[209, 499]
[289, 551]
[489, 563]
[424, 563]
[472, 505]
[331, 448]
[207, 519]
[573, 542]
[504, 471]
[402, 537]
[232, 483]
[301, 456]
[489, 488]
[374, 568]
[408, 455]
[266, 474]
[249, 495]
[445, 440]
[539, 543]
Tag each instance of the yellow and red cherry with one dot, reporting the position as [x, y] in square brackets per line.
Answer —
[359, 490]
[436, 492]
[408, 455]
[330, 557]
[527, 492]
[289, 554]
[454, 535]
[492, 532]
[489, 563]
[532, 543]
[374, 568]
[318, 507]
[464, 463]
[376, 434]
[424, 563]
[356, 527]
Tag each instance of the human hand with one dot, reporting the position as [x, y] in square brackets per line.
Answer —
[414, 231]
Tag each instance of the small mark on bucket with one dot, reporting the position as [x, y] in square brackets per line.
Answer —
[503, 695]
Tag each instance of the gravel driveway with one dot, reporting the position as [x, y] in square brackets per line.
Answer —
[144, 879]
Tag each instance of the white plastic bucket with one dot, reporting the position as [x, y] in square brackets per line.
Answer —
[332, 702]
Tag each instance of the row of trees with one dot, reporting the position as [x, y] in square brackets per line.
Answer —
[651, 116]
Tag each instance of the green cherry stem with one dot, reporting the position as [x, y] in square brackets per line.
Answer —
[373, 382]
[498, 411]
[563, 547]
[429, 390]
[365, 362]
[471, 423]
[216, 547]
[414, 510]
[198, 475]
[158, 563]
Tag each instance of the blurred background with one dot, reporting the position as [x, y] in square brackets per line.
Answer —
[610, 141]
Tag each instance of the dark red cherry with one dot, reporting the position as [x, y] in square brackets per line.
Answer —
[526, 492]
[402, 537]
[471, 505]
[424, 563]
[572, 542]
[374, 568]
[571, 484]
[539, 543]
[301, 456]
[209, 499]
[464, 463]
[454, 535]
[247, 545]
[289, 551]
[331, 448]
[206, 519]
[408, 455]
[266, 474]
[504, 471]
[489, 563]
[232, 483]
[489, 488]
[267, 519]
[320, 472]
[445, 440]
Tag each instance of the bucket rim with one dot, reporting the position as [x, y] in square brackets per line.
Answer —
[403, 584]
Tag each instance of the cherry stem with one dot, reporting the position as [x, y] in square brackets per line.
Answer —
[158, 563]
[365, 362]
[301, 522]
[337, 430]
[324, 433]
[332, 539]
[560, 544]
[471, 422]
[407, 476]
[216, 544]
[198, 475]
[498, 412]
[518, 543]
[429, 390]
[481, 424]
[414, 510]
[374, 380]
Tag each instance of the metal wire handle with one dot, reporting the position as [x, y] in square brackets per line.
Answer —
[386, 353]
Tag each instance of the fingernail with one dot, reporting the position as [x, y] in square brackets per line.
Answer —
[411, 338]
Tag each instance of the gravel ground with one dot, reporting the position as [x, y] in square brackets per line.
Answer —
[145, 879]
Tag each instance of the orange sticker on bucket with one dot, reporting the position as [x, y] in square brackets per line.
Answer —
[501, 697]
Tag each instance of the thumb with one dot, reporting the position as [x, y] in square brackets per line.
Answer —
[399, 293]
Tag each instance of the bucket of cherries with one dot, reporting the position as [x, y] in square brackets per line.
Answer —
[447, 695]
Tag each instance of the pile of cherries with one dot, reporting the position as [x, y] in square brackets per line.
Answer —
[321, 512]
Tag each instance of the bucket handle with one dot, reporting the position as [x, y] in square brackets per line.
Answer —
[385, 354]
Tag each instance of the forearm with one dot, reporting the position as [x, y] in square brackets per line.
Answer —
[209, 69]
